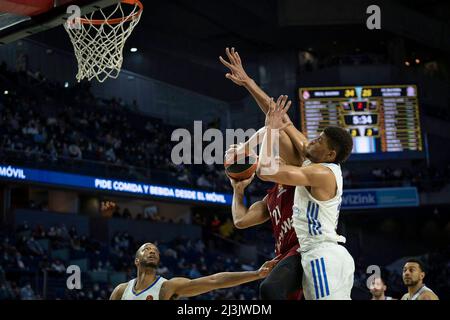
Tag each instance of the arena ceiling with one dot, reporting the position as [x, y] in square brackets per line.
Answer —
[197, 31]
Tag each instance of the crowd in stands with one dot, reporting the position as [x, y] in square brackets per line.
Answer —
[30, 251]
[44, 124]
[425, 178]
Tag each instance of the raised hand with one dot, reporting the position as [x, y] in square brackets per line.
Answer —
[238, 74]
[276, 117]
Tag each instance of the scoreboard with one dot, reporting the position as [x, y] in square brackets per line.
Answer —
[383, 120]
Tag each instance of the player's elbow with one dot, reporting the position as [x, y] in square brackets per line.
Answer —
[260, 174]
[240, 224]
[264, 176]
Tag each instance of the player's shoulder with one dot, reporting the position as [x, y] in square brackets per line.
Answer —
[170, 287]
[122, 286]
[118, 291]
[428, 295]
[320, 170]
[174, 282]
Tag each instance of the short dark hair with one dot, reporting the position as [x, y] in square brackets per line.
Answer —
[136, 254]
[340, 141]
[420, 263]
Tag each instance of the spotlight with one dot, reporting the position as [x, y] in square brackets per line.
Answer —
[417, 61]
[5, 92]
[407, 63]
[133, 49]
[66, 84]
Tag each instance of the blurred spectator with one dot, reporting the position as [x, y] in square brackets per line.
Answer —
[193, 272]
[26, 293]
[58, 266]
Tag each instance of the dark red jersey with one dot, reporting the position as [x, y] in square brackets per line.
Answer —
[280, 200]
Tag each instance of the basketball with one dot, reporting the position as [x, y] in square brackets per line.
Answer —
[241, 167]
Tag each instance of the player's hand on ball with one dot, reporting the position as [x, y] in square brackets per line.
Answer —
[266, 268]
[238, 74]
[241, 185]
[233, 150]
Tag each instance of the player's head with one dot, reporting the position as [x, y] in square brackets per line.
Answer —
[147, 256]
[333, 145]
[378, 287]
[413, 273]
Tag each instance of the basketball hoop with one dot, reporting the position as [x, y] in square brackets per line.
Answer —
[98, 41]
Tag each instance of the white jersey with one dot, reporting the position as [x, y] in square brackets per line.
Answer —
[416, 295]
[151, 293]
[316, 221]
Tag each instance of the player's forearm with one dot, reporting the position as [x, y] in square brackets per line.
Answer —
[238, 208]
[216, 281]
[232, 279]
[261, 98]
[255, 139]
[268, 153]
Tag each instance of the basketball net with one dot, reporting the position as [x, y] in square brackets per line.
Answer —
[99, 43]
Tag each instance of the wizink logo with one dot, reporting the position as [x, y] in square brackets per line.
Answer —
[11, 172]
[360, 198]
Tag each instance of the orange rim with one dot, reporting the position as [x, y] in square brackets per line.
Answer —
[116, 20]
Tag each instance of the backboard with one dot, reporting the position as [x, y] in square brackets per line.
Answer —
[22, 18]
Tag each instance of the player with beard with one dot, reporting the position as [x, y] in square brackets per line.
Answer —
[378, 289]
[413, 275]
[149, 286]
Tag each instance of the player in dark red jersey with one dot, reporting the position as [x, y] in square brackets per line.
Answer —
[284, 282]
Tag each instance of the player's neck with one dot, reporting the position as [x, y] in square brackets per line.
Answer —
[413, 289]
[145, 278]
[382, 297]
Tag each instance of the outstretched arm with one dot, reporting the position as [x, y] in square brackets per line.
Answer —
[238, 75]
[184, 287]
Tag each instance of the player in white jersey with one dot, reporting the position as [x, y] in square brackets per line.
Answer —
[413, 275]
[328, 267]
[148, 286]
[378, 289]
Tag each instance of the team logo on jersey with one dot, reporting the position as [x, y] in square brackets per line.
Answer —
[149, 297]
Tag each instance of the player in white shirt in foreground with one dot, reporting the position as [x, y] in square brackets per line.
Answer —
[328, 267]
